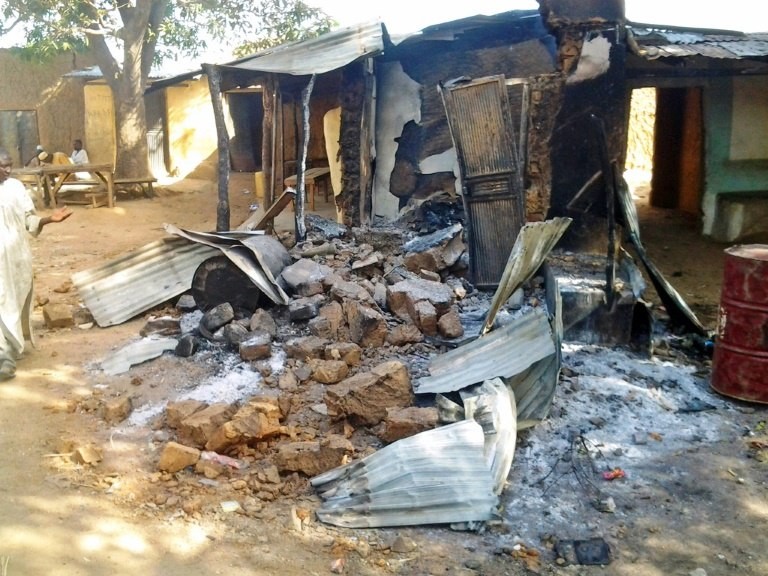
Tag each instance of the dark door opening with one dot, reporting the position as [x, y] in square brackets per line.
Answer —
[247, 112]
[678, 148]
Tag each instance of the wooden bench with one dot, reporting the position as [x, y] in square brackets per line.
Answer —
[147, 181]
[312, 177]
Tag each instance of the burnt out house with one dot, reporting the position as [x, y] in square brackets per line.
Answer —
[500, 120]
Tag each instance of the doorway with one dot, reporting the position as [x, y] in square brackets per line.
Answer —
[19, 134]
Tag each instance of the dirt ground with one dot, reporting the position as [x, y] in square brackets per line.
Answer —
[122, 517]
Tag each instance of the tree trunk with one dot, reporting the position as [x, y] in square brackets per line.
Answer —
[214, 86]
[131, 160]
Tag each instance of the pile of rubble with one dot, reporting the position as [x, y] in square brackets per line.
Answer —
[373, 345]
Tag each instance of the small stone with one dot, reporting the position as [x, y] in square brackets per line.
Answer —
[87, 454]
[176, 457]
[186, 303]
[187, 346]
[58, 315]
[403, 545]
[117, 410]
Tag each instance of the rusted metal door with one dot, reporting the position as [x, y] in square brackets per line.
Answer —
[483, 134]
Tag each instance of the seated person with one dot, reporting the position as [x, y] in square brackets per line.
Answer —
[79, 155]
[53, 159]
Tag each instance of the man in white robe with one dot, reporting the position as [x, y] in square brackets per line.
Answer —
[17, 222]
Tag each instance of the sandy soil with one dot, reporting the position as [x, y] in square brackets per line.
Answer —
[704, 508]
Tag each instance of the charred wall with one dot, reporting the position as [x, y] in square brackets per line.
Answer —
[437, 62]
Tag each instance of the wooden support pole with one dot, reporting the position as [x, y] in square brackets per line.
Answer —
[214, 85]
[301, 188]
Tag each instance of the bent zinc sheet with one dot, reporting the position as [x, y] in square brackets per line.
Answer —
[436, 477]
[501, 353]
[260, 257]
[123, 288]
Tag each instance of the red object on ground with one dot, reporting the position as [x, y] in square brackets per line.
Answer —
[740, 361]
[613, 474]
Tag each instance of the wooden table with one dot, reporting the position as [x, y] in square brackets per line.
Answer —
[59, 175]
[311, 177]
[35, 176]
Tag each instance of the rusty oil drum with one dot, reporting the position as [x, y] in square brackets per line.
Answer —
[740, 362]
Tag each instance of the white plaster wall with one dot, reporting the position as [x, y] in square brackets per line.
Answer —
[332, 132]
[593, 61]
[444, 162]
[398, 101]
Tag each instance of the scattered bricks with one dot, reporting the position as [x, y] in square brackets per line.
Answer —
[450, 326]
[403, 334]
[175, 412]
[234, 334]
[305, 308]
[218, 316]
[303, 348]
[424, 315]
[187, 346]
[58, 315]
[262, 320]
[408, 292]
[288, 381]
[343, 291]
[369, 265]
[429, 260]
[429, 275]
[258, 420]
[224, 437]
[405, 422]
[176, 457]
[394, 377]
[117, 410]
[365, 397]
[209, 468]
[198, 428]
[349, 352]
[312, 457]
[367, 327]
[328, 371]
[334, 313]
[87, 454]
[165, 326]
[454, 250]
[380, 294]
[257, 346]
[305, 277]
[320, 326]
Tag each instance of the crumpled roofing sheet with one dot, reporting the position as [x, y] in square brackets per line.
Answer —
[660, 42]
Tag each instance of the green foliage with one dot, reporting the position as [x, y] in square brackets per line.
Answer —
[285, 21]
[187, 28]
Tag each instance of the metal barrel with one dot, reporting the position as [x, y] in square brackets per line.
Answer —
[740, 362]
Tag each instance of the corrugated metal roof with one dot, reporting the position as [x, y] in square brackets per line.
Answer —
[318, 55]
[123, 288]
[652, 42]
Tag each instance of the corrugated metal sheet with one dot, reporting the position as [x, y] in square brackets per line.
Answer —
[533, 243]
[318, 55]
[659, 42]
[435, 477]
[503, 353]
[119, 290]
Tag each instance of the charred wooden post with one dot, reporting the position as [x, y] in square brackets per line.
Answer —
[366, 139]
[268, 141]
[352, 95]
[607, 169]
[214, 85]
[301, 188]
